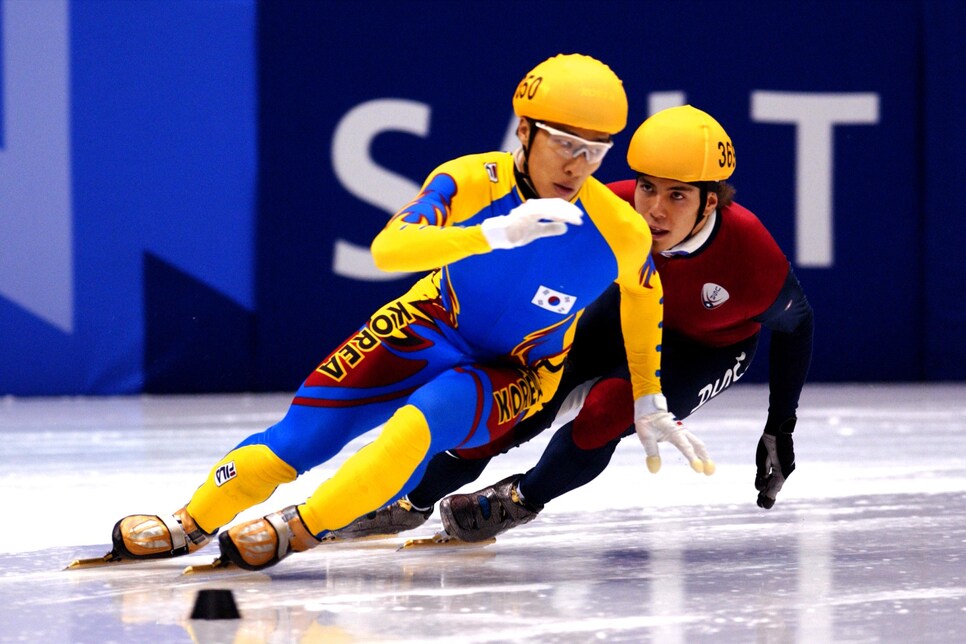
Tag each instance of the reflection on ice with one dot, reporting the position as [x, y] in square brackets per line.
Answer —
[865, 543]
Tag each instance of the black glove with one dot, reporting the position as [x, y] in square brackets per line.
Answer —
[775, 459]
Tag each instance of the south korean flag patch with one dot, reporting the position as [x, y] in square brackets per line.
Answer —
[555, 301]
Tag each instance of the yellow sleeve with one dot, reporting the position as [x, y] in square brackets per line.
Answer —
[642, 296]
[642, 315]
[425, 234]
[402, 246]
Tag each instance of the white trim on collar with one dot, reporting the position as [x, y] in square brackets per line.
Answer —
[695, 243]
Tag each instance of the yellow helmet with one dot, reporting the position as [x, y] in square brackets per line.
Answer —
[575, 90]
[682, 143]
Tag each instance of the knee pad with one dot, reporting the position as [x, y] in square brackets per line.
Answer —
[607, 413]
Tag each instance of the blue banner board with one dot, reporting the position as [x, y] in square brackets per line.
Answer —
[188, 190]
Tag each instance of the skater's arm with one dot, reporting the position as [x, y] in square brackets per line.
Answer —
[422, 235]
[457, 214]
[791, 320]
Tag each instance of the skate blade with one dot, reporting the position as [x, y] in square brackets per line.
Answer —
[443, 540]
[216, 565]
[337, 540]
[108, 559]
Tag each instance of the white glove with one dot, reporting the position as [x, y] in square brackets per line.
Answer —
[655, 425]
[533, 219]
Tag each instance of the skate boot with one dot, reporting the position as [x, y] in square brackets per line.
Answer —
[261, 543]
[484, 514]
[143, 536]
[392, 519]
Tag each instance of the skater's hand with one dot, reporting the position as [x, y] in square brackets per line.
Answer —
[775, 459]
[655, 425]
[533, 219]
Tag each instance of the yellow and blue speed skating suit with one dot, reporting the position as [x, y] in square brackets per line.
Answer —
[473, 347]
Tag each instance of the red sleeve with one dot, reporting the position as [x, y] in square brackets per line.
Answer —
[624, 189]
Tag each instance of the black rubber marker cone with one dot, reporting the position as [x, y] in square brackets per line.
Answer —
[217, 603]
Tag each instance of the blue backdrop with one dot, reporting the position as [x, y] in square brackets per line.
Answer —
[188, 190]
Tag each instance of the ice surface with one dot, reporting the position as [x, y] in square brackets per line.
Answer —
[865, 543]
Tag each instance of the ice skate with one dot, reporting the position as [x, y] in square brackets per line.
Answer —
[484, 514]
[148, 536]
[392, 519]
[141, 536]
[263, 542]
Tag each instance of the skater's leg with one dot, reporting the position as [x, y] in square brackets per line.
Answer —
[372, 476]
[455, 409]
[440, 415]
[355, 389]
[581, 450]
[444, 474]
[577, 453]
[250, 473]
[246, 476]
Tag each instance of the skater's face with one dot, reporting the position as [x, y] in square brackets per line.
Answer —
[554, 173]
[670, 208]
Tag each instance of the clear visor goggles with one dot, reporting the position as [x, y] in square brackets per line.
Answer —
[571, 146]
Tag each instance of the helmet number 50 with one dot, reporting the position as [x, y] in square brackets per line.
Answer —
[528, 87]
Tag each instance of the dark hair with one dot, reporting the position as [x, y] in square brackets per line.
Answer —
[725, 192]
